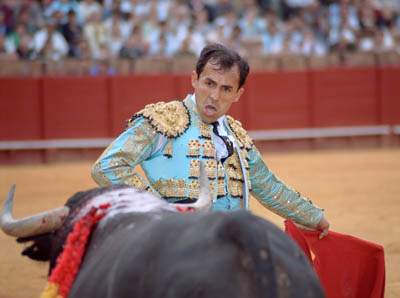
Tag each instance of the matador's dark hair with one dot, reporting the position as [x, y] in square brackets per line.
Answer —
[225, 58]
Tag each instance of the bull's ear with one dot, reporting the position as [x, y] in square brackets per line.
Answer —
[40, 249]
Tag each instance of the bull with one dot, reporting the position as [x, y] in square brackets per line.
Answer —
[146, 247]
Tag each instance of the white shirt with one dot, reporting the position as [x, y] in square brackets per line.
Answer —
[220, 147]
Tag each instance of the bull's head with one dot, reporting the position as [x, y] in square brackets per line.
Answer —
[50, 221]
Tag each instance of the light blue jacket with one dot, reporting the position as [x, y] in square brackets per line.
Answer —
[169, 140]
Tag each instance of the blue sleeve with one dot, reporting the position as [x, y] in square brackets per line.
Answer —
[277, 196]
[116, 164]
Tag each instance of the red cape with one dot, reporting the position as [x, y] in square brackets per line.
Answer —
[346, 266]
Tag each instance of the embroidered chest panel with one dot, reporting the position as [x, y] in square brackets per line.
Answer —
[174, 172]
[170, 119]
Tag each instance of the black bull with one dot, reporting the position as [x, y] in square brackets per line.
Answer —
[151, 250]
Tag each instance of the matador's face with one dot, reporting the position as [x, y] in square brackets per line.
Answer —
[216, 90]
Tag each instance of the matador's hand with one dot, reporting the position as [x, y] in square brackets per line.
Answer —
[323, 225]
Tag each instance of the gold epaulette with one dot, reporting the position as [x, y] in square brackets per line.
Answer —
[171, 119]
[240, 132]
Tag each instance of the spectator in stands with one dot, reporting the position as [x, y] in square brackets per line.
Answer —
[342, 39]
[228, 20]
[270, 17]
[367, 17]
[58, 18]
[114, 40]
[310, 46]
[25, 50]
[151, 26]
[310, 27]
[13, 39]
[136, 46]
[64, 6]
[116, 20]
[137, 7]
[4, 54]
[383, 41]
[366, 41]
[8, 17]
[163, 43]
[236, 42]
[251, 24]
[219, 8]
[179, 21]
[86, 8]
[272, 40]
[201, 23]
[49, 43]
[386, 16]
[293, 7]
[102, 67]
[82, 50]
[185, 50]
[217, 35]
[95, 32]
[195, 39]
[72, 33]
[343, 12]
[3, 26]
[23, 17]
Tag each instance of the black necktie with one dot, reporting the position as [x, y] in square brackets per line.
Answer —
[228, 143]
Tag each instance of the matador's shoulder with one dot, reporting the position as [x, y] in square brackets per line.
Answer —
[240, 132]
[171, 119]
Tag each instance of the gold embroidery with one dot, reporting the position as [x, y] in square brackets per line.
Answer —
[170, 119]
[211, 169]
[170, 188]
[137, 182]
[221, 188]
[205, 131]
[234, 170]
[99, 176]
[235, 188]
[194, 189]
[194, 168]
[221, 172]
[241, 134]
[208, 149]
[235, 176]
[194, 148]
[168, 149]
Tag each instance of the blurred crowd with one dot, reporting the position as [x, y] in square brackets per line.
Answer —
[50, 30]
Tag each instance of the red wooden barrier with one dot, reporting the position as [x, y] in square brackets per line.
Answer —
[390, 95]
[75, 107]
[20, 109]
[277, 100]
[345, 97]
[129, 94]
[183, 85]
[92, 107]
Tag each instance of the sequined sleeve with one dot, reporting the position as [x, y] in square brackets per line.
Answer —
[116, 164]
[278, 197]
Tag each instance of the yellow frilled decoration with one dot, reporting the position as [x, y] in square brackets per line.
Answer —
[240, 133]
[171, 119]
[51, 291]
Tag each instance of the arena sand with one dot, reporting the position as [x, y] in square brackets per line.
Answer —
[359, 189]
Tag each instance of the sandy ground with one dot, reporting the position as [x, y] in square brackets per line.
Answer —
[359, 189]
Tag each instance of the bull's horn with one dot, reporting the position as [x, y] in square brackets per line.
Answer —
[30, 226]
[204, 201]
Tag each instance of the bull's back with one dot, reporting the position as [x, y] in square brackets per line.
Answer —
[218, 254]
